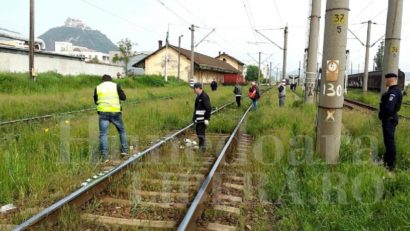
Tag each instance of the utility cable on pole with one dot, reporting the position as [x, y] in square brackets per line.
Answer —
[367, 54]
[206, 36]
[267, 38]
[256, 61]
[284, 49]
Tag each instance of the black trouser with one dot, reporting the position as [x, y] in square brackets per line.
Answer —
[389, 128]
[282, 101]
[200, 132]
[238, 100]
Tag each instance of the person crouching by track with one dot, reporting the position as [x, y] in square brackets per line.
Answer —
[108, 96]
[238, 94]
[254, 95]
[202, 114]
[282, 93]
[389, 107]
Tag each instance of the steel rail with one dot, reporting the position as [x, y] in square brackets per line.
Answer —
[361, 104]
[86, 192]
[369, 107]
[195, 210]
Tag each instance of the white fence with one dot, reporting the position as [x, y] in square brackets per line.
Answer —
[16, 60]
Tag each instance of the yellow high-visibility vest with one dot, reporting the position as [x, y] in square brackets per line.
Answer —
[108, 99]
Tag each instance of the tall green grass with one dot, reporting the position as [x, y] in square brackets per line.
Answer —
[373, 98]
[304, 190]
[17, 83]
[52, 93]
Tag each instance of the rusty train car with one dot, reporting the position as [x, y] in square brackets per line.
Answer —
[374, 82]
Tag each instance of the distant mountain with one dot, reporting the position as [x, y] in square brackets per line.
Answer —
[92, 39]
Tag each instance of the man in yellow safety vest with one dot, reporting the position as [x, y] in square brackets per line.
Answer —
[108, 96]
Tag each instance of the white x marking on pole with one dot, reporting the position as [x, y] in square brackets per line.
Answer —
[330, 115]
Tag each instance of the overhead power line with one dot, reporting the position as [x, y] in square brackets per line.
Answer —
[278, 11]
[251, 22]
[173, 12]
[362, 10]
[191, 13]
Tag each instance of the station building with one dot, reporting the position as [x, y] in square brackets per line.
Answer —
[206, 68]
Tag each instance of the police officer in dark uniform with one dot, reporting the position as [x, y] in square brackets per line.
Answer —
[389, 107]
[202, 113]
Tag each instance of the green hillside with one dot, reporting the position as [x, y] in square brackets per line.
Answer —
[92, 39]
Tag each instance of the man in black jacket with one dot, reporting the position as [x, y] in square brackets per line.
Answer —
[202, 113]
[389, 107]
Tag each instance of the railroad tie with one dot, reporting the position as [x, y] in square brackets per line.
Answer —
[155, 194]
[229, 198]
[123, 202]
[128, 222]
[219, 227]
[228, 209]
[233, 186]
[7, 227]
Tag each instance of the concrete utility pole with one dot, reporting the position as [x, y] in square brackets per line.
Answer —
[351, 68]
[166, 56]
[333, 73]
[392, 40]
[366, 62]
[179, 56]
[300, 68]
[259, 71]
[192, 29]
[285, 52]
[347, 71]
[311, 71]
[31, 43]
[270, 72]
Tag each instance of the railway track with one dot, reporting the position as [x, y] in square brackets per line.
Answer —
[53, 115]
[166, 186]
[353, 104]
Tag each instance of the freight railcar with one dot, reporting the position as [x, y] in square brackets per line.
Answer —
[232, 79]
[374, 81]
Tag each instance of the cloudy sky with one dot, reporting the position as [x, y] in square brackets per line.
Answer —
[146, 21]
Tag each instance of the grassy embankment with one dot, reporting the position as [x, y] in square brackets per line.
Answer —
[53, 93]
[356, 194]
[373, 98]
[42, 161]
